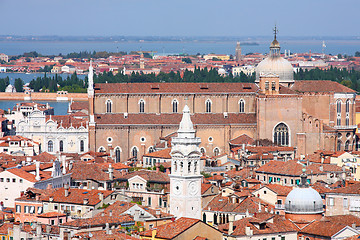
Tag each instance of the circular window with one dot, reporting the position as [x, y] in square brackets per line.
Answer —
[109, 139]
[210, 139]
[142, 139]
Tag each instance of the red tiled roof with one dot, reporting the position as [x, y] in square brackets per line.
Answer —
[101, 235]
[67, 121]
[77, 196]
[165, 153]
[150, 176]
[320, 86]
[242, 139]
[51, 215]
[175, 88]
[79, 105]
[173, 229]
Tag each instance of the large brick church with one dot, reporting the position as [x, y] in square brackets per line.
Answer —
[130, 118]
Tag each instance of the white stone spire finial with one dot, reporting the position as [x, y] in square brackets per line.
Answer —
[91, 80]
[186, 128]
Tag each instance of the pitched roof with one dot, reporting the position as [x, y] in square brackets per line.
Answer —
[320, 86]
[77, 196]
[279, 225]
[173, 229]
[150, 176]
[165, 153]
[175, 118]
[351, 189]
[101, 235]
[83, 105]
[91, 170]
[175, 88]
[242, 139]
[280, 189]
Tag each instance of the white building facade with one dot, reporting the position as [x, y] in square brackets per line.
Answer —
[55, 134]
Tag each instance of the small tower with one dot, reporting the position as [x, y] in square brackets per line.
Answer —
[91, 94]
[142, 63]
[238, 52]
[90, 89]
[185, 177]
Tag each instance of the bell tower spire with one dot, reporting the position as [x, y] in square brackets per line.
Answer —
[275, 45]
[185, 177]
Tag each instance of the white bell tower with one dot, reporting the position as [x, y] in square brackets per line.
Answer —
[185, 177]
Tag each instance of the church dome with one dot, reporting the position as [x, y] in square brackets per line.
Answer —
[304, 200]
[278, 66]
[275, 64]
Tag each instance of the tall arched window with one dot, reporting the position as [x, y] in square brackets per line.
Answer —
[281, 135]
[82, 146]
[241, 106]
[61, 146]
[108, 106]
[117, 154]
[50, 146]
[338, 113]
[134, 152]
[216, 151]
[175, 106]
[347, 143]
[347, 119]
[141, 106]
[208, 106]
[338, 147]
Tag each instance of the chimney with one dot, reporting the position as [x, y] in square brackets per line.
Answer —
[51, 199]
[85, 201]
[101, 198]
[157, 213]
[28, 159]
[321, 168]
[38, 231]
[37, 177]
[259, 207]
[63, 160]
[353, 225]
[125, 115]
[66, 187]
[275, 156]
[111, 172]
[107, 230]
[70, 165]
[137, 215]
[110, 213]
[225, 115]
[153, 233]
[231, 224]
[322, 158]
[248, 231]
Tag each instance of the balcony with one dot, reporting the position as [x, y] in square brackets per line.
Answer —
[346, 127]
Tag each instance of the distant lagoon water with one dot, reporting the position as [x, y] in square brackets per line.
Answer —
[189, 47]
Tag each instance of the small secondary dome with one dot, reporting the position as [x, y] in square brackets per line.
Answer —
[303, 200]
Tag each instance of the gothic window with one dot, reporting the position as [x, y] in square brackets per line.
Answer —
[241, 106]
[101, 149]
[117, 154]
[181, 166]
[61, 146]
[266, 85]
[338, 113]
[202, 150]
[338, 146]
[134, 152]
[195, 166]
[175, 106]
[151, 149]
[281, 135]
[50, 146]
[347, 106]
[141, 106]
[216, 151]
[108, 106]
[347, 143]
[82, 146]
[208, 106]
[189, 167]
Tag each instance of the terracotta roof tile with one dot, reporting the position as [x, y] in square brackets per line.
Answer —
[165, 153]
[173, 229]
[320, 86]
[242, 139]
[175, 88]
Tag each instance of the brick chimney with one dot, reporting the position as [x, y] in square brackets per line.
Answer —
[66, 188]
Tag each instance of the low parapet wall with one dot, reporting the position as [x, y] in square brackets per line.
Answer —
[39, 96]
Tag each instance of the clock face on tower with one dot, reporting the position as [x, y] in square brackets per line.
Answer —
[193, 188]
[177, 188]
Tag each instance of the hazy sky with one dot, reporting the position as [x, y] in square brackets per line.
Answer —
[180, 18]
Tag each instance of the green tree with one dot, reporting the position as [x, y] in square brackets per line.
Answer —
[19, 83]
